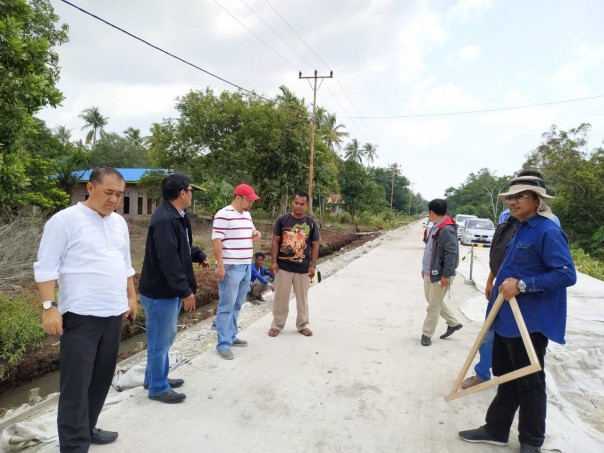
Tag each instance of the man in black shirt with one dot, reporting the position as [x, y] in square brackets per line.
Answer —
[294, 253]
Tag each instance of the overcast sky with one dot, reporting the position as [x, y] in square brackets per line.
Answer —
[408, 60]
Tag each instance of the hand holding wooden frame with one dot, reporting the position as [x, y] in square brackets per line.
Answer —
[526, 339]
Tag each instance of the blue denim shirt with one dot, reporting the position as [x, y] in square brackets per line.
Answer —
[539, 256]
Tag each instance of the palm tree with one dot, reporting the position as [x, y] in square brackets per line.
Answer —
[331, 133]
[370, 153]
[63, 134]
[320, 117]
[68, 169]
[354, 151]
[287, 96]
[134, 135]
[94, 120]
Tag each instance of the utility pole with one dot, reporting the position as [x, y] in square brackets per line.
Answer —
[394, 172]
[410, 193]
[313, 126]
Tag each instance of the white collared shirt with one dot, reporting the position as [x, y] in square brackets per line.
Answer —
[89, 256]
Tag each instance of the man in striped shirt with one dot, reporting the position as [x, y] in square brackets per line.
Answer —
[233, 234]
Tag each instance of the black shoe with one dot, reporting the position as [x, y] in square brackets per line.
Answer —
[426, 341]
[450, 331]
[169, 397]
[101, 437]
[526, 448]
[174, 383]
[482, 436]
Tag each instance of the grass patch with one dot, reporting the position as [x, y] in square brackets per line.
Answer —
[20, 328]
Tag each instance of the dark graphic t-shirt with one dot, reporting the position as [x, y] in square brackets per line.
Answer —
[296, 238]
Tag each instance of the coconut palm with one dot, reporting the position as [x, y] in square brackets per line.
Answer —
[94, 120]
[63, 134]
[354, 151]
[134, 136]
[370, 153]
[332, 134]
[320, 117]
[287, 96]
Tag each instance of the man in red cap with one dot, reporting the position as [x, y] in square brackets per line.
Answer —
[233, 234]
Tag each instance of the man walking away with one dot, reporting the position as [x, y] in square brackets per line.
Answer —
[438, 270]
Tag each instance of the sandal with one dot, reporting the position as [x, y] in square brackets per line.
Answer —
[273, 332]
[306, 332]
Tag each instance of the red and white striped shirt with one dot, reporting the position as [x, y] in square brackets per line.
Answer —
[235, 229]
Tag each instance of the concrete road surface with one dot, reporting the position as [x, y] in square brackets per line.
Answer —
[362, 383]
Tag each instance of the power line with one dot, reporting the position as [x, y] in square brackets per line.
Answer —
[162, 50]
[354, 107]
[337, 80]
[276, 33]
[296, 33]
[257, 37]
[469, 112]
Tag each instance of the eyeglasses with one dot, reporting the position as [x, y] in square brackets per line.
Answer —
[517, 197]
[246, 199]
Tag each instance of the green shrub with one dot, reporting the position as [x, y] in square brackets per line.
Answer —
[20, 329]
[586, 264]
[345, 218]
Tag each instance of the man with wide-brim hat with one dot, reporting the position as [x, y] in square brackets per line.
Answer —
[537, 270]
[519, 188]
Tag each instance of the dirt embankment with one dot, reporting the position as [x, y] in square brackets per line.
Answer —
[46, 359]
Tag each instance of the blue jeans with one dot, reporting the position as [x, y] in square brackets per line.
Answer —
[231, 291]
[483, 367]
[162, 321]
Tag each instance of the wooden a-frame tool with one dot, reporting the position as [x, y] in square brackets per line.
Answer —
[456, 392]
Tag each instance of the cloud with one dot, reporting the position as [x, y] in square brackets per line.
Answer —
[416, 40]
[587, 59]
[430, 98]
[470, 10]
[468, 53]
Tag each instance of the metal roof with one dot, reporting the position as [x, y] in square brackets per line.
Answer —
[129, 174]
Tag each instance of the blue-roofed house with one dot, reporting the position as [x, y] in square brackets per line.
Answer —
[135, 201]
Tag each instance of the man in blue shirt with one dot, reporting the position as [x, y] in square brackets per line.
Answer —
[259, 283]
[537, 270]
[503, 236]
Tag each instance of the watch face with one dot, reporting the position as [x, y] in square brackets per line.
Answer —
[48, 304]
[521, 286]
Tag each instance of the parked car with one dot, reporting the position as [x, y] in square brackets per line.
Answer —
[460, 220]
[477, 231]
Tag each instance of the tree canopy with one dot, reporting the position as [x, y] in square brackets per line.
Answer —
[29, 72]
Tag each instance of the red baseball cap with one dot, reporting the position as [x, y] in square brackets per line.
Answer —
[246, 191]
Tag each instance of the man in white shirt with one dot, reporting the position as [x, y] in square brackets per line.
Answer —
[233, 234]
[86, 250]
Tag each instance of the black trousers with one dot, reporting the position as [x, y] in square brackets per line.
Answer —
[89, 350]
[526, 393]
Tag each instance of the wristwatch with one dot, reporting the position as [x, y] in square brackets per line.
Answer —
[47, 304]
[521, 286]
